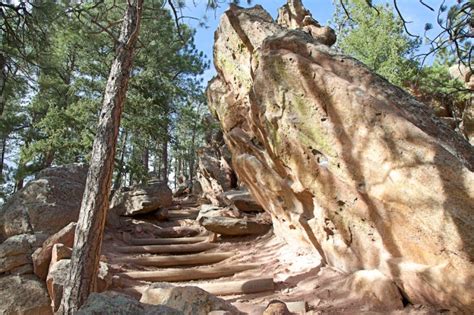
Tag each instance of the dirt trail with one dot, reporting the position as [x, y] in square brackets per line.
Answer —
[247, 271]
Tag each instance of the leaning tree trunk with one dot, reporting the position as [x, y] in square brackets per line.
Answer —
[95, 202]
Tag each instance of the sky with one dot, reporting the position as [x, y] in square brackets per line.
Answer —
[322, 11]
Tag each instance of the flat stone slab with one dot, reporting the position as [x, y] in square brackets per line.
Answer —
[234, 226]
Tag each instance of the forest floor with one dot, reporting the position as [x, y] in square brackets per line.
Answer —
[249, 271]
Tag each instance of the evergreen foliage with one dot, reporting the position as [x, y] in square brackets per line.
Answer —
[58, 58]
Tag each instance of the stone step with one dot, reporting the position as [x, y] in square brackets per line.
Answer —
[167, 241]
[173, 275]
[181, 260]
[239, 286]
[167, 249]
[183, 214]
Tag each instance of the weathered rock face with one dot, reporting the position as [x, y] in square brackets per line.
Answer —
[46, 204]
[140, 199]
[16, 252]
[189, 300]
[346, 163]
[215, 173]
[42, 256]
[23, 295]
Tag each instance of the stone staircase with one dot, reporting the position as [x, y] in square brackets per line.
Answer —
[185, 261]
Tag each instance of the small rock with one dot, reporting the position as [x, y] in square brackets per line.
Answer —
[189, 300]
[276, 307]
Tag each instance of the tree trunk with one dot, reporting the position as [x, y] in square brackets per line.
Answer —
[119, 175]
[146, 159]
[95, 202]
[3, 134]
[164, 157]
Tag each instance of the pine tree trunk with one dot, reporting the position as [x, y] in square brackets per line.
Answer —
[95, 202]
[119, 175]
[164, 157]
[146, 159]
[3, 136]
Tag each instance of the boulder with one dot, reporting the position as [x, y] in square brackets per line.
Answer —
[347, 164]
[120, 304]
[234, 226]
[187, 299]
[242, 200]
[140, 199]
[293, 15]
[42, 256]
[46, 204]
[58, 275]
[15, 252]
[215, 211]
[276, 307]
[215, 173]
[24, 294]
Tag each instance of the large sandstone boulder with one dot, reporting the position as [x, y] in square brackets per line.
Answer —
[346, 163]
[42, 256]
[140, 199]
[45, 204]
[189, 300]
[242, 200]
[15, 252]
[215, 173]
[120, 304]
[23, 295]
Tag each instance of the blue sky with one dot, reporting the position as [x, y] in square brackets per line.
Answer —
[322, 11]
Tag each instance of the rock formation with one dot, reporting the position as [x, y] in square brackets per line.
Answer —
[346, 163]
[140, 199]
[46, 204]
[23, 295]
[42, 256]
[15, 253]
[188, 299]
[242, 200]
[215, 173]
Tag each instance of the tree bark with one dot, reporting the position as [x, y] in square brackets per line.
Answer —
[95, 202]
[164, 158]
[3, 135]
[146, 160]
[119, 175]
